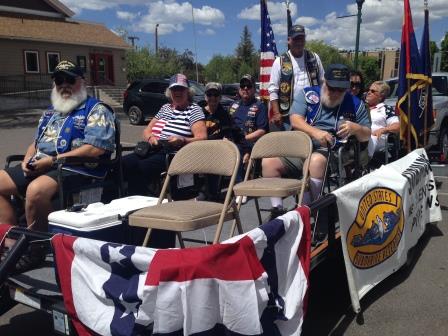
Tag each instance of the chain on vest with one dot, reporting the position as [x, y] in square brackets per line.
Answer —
[286, 89]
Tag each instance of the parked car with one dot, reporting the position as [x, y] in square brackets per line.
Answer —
[231, 91]
[144, 97]
[438, 137]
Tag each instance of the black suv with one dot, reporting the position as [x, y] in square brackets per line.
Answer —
[144, 98]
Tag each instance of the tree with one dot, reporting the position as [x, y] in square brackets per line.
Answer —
[246, 57]
[328, 54]
[433, 49]
[370, 69]
[444, 50]
[220, 69]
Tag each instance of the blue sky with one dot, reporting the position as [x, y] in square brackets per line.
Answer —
[219, 24]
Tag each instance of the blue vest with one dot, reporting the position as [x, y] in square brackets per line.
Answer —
[75, 122]
[349, 107]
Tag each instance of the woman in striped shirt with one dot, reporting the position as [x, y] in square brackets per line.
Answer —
[178, 122]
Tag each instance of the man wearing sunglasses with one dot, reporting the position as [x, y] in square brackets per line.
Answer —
[250, 116]
[316, 112]
[74, 125]
[290, 73]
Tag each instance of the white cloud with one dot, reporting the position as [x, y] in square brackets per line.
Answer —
[123, 15]
[306, 21]
[276, 10]
[78, 5]
[207, 31]
[162, 12]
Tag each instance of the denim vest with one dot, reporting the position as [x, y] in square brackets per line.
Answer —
[75, 123]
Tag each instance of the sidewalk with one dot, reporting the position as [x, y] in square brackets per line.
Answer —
[30, 117]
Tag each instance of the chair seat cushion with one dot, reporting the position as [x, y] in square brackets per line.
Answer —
[179, 216]
[268, 186]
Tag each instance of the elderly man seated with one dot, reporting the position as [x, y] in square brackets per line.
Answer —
[75, 125]
[384, 119]
[326, 115]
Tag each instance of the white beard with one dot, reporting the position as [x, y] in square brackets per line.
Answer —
[67, 105]
[326, 100]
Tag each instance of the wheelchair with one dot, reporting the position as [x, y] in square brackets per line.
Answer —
[390, 153]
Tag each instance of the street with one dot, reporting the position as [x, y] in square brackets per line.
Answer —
[413, 301]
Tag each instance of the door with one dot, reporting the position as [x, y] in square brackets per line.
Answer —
[101, 69]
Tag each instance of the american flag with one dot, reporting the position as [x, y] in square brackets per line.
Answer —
[268, 50]
[252, 284]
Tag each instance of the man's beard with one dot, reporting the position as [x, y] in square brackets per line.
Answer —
[67, 105]
[326, 99]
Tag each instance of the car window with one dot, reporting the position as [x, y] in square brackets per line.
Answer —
[199, 90]
[393, 88]
[154, 87]
[230, 90]
[439, 85]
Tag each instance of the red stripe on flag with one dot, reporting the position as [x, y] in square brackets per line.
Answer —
[267, 63]
[230, 262]
[265, 78]
[64, 255]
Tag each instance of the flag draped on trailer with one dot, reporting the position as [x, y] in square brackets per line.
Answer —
[268, 50]
[410, 79]
[428, 118]
[249, 285]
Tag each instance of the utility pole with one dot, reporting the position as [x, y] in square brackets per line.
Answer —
[358, 28]
[157, 38]
[132, 39]
[195, 46]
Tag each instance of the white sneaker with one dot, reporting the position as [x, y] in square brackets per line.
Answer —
[243, 198]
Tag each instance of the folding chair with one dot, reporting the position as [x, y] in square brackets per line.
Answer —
[218, 157]
[276, 144]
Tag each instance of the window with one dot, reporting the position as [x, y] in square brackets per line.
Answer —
[31, 61]
[155, 87]
[52, 60]
[82, 63]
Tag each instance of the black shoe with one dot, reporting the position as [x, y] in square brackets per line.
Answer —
[32, 258]
[277, 211]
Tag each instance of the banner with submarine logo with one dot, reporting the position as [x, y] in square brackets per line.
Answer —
[382, 215]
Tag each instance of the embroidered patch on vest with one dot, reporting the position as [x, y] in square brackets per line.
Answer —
[285, 87]
[312, 97]
[287, 68]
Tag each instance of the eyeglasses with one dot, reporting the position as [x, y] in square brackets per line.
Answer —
[373, 91]
[333, 89]
[246, 86]
[59, 80]
[355, 84]
[212, 94]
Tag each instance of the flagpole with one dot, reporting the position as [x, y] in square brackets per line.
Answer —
[409, 114]
[425, 122]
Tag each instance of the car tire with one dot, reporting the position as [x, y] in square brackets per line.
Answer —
[135, 115]
[443, 142]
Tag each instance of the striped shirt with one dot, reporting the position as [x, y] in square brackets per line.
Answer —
[177, 122]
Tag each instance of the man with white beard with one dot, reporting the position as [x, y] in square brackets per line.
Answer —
[318, 112]
[75, 125]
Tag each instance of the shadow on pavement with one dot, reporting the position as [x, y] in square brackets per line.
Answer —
[329, 305]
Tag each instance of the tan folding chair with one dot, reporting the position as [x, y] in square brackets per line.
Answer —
[218, 157]
[276, 144]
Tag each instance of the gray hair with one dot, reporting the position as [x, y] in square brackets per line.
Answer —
[383, 87]
[191, 93]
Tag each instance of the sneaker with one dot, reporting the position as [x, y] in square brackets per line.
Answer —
[32, 258]
[277, 211]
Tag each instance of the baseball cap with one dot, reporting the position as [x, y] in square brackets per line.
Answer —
[296, 30]
[337, 76]
[247, 78]
[213, 86]
[68, 68]
[179, 80]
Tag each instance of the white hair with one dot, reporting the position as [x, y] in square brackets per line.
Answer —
[326, 99]
[67, 105]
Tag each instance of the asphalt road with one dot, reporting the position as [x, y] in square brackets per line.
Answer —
[413, 301]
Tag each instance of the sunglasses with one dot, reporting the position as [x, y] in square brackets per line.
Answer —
[246, 86]
[355, 84]
[59, 80]
[333, 89]
[372, 91]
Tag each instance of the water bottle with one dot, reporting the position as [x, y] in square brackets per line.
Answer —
[341, 121]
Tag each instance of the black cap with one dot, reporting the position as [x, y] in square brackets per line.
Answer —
[247, 78]
[296, 30]
[337, 76]
[68, 68]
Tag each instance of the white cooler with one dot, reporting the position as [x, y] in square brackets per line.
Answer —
[107, 222]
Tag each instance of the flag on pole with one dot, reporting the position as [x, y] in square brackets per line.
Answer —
[268, 50]
[410, 79]
[427, 87]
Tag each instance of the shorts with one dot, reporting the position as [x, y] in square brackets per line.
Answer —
[22, 182]
[293, 167]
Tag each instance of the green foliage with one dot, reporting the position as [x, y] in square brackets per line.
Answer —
[328, 54]
[444, 50]
[220, 69]
[245, 50]
[370, 68]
